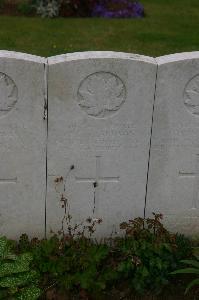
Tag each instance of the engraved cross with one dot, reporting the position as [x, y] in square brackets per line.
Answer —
[195, 175]
[97, 180]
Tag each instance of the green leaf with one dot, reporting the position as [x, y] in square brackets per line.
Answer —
[21, 264]
[191, 284]
[29, 293]
[15, 273]
[186, 271]
[9, 269]
[144, 272]
[18, 280]
[10, 256]
[193, 263]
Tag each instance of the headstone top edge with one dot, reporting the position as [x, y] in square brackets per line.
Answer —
[22, 56]
[166, 59]
[97, 55]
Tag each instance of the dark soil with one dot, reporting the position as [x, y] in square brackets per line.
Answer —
[171, 292]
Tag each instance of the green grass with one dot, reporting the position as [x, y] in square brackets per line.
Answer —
[170, 26]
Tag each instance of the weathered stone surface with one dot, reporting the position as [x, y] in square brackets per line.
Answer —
[100, 114]
[174, 165]
[22, 145]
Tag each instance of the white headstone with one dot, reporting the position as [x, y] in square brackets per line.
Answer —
[173, 188]
[100, 115]
[22, 145]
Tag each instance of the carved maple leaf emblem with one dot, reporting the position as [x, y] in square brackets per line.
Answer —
[101, 93]
[8, 93]
[192, 96]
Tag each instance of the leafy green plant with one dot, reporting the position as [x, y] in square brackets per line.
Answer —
[74, 262]
[148, 254]
[17, 280]
[192, 269]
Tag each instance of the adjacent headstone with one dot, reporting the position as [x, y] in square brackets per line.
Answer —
[173, 188]
[22, 145]
[100, 115]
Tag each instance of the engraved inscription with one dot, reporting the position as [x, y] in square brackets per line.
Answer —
[96, 181]
[101, 94]
[195, 175]
[87, 137]
[8, 180]
[191, 95]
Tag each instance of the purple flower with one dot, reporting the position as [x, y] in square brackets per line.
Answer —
[138, 9]
[118, 9]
